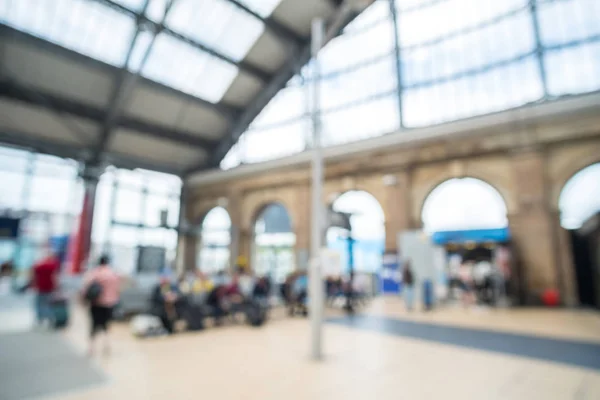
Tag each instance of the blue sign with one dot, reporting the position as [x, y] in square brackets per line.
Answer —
[391, 277]
[475, 235]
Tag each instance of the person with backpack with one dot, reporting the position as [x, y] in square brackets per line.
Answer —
[101, 291]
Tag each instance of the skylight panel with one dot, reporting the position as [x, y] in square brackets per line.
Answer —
[181, 66]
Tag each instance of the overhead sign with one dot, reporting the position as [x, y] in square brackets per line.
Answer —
[9, 227]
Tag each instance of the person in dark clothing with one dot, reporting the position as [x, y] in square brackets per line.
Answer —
[408, 282]
[262, 288]
[166, 301]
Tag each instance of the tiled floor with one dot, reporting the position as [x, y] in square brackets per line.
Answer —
[272, 362]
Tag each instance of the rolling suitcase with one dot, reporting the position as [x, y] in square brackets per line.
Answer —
[256, 313]
[194, 317]
[60, 311]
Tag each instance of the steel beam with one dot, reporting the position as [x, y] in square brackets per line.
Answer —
[290, 68]
[42, 145]
[122, 90]
[283, 33]
[14, 91]
[7, 33]
[78, 153]
[394, 15]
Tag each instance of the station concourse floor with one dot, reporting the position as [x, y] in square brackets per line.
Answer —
[382, 353]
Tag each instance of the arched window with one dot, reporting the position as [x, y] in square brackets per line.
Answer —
[367, 224]
[274, 241]
[463, 204]
[215, 239]
[580, 198]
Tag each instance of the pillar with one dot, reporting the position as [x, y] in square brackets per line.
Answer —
[187, 235]
[568, 284]
[534, 227]
[240, 235]
[83, 242]
[301, 225]
[396, 208]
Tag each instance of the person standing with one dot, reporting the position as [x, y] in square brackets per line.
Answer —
[408, 283]
[44, 281]
[101, 289]
[466, 282]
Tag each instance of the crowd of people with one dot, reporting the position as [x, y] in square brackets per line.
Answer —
[479, 281]
[172, 298]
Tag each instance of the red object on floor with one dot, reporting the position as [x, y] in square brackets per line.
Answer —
[550, 298]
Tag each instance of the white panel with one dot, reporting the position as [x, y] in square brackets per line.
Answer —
[127, 142]
[38, 122]
[57, 75]
[298, 14]
[243, 89]
[199, 120]
[161, 108]
[154, 105]
[268, 53]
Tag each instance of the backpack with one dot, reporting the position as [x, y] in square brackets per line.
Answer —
[93, 292]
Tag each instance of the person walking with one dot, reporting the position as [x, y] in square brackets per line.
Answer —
[44, 281]
[101, 290]
[408, 283]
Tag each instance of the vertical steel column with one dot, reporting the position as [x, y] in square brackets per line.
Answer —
[397, 55]
[539, 47]
[113, 204]
[318, 214]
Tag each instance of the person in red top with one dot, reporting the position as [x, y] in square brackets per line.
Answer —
[45, 281]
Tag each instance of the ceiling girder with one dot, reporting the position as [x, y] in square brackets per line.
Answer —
[14, 91]
[228, 111]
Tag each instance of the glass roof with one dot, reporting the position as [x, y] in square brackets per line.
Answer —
[135, 5]
[84, 26]
[95, 29]
[183, 67]
[217, 23]
[264, 8]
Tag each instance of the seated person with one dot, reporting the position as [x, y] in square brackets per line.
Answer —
[167, 302]
[201, 283]
[262, 288]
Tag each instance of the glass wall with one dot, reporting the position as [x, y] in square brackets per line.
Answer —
[130, 206]
[413, 63]
[46, 193]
